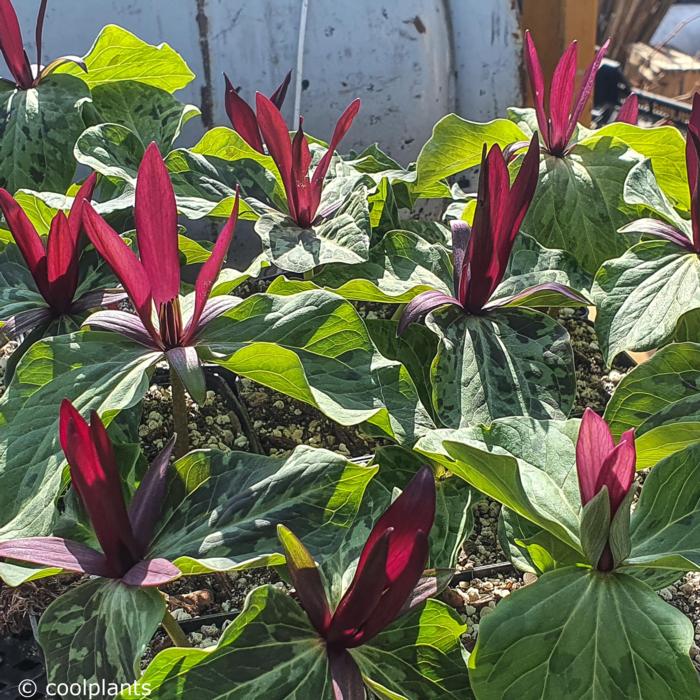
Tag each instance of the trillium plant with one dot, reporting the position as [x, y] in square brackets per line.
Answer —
[368, 371]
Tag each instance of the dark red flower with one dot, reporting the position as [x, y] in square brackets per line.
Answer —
[390, 566]
[25, 74]
[124, 535]
[153, 281]
[558, 116]
[599, 463]
[293, 158]
[480, 254]
[242, 116]
[629, 112]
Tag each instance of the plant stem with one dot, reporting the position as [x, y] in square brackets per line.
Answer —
[177, 636]
[179, 408]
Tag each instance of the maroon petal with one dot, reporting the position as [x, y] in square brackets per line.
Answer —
[12, 46]
[75, 216]
[124, 263]
[39, 33]
[593, 446]
[62, 261]
[124, 323]
[362, 596]
[277, 97]
[96, 478]
[586, 89]
[560, 96]
[412, 511]
[346, 676]
[146, 506]
[28, 241]
[56, 552]
[693, 154]
[534, 69]
[618, 470]
[306, 578]
[307, 193]
[398, 592]
[276, 136]
[155, 213]
[629, 112]
[420, 305]
[341, 128]
[659, 229]
[242, 117]
[151, 573]
[209, 272]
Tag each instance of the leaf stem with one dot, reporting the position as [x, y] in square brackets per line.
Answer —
[177, 636]
[179, 408]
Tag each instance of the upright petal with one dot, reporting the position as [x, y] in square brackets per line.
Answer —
[341, 128]
[75, 216]
[28, 241]
[62, 261]
[560, 96]
[124, 263]
[629, 112]
[692, 164]
[155, 213]
[277, 97]
[412, 511]
[534, 69]
[12, 46]
[242, 117]
[307, 194]
[593, 446]
[586, 89]
[147, 504]
[276, 136]
[618, 470]
[209, 272]
[96, 478]
[306, 578]
[39, 32]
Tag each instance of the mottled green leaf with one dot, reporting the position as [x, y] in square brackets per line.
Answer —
[457, 144]
[504, 363]
[641, 296]
[580, 634]
[118, 55]
[314, 347]
[149, 112]
[38, 130]
[112, 150]
[342, 238]
[524, 464]
[222, 509]
[578, 205]
[101, 371]
[97, 633]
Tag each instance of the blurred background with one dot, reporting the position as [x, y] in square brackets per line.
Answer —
[411, 61]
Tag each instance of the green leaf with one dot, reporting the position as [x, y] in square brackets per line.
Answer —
[580, 634]
[269, 651]
[101, 371]
[671, 375]
[112, 150]
[222, 509]
[578, 205]
[18, 291]
[343, 238]
[457, 144]
[641, 296]
[118, 55]
[399, 267]
[504, 363]
[314, 347]
[149, 112]
[38, 129]
[664, 146]
[665, 526]
[98, 632]
[419, 655]
[14, 575]
[524, 464]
